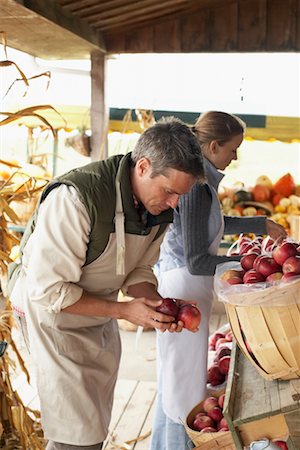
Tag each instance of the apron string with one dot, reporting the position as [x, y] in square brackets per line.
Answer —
[120, 231]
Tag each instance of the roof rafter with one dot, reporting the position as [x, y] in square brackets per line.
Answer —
[58, 15]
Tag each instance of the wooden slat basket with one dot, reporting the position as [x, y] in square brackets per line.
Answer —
[208, 441]
[269, 335]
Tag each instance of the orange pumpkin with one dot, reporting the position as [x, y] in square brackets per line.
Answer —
[261, 193]
[276, 198]
[285, 185]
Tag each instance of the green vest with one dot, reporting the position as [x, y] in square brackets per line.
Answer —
[95, 184]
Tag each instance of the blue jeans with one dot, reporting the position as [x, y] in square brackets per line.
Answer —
[167, 434]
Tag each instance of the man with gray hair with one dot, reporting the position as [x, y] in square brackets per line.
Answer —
[97, 230]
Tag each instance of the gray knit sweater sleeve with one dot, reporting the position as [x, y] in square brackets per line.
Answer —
[194, 209]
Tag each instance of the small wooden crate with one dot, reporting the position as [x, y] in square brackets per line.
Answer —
[272, 332]
[208, 441]
[256, 408]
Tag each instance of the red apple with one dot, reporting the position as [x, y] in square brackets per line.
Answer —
[168, 307]
[258, 260]
[267, 243]
[222, 351]
[221, 400]
[209, 403]
[252, 276]
[268, 265]
[281, 444]
[215, 413]
[230, 273]
[242, 239]
[214, 376]
[208, 430]
[202, 422]
[248, 260]
[244, 248]
[292, 264]
[276, 276]
[190, 316]
[213, 339]
[223, 364]
[199, 414]
[255, 249]
[222, 342]
[229, 336]
[283, 252]
[235, 280]
[289, 276]
[223, 423]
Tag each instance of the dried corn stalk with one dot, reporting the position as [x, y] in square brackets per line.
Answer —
[20, 425]
[19, 187]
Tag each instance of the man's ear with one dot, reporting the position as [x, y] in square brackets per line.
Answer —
[143, 165]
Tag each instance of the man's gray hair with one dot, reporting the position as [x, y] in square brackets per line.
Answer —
[170, 144]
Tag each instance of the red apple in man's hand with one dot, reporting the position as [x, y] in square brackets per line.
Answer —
[168, 307]
[190, 316]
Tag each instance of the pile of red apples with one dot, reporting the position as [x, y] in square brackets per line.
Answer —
[221, 343]
[263, 260]
[210, 418]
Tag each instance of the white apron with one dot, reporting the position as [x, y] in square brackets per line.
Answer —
[182, 357]
[78, 356]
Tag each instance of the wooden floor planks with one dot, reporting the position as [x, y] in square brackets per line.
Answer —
[133, 408]
[133, 419]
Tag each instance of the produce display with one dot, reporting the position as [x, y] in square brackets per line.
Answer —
[188, 314]
[264, 260]
[261, 294]
[278, 200]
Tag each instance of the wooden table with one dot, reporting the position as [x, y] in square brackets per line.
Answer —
[257, 408]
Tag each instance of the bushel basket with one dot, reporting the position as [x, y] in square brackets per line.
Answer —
[221, 440]
[266, 325]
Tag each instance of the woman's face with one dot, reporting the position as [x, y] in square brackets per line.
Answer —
[222, 155]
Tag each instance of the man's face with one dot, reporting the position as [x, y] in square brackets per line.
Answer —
[161, 192]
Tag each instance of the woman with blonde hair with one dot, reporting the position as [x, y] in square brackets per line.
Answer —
[188, 259]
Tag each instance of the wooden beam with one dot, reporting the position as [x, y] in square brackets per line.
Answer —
[56, 14]
[99, 110]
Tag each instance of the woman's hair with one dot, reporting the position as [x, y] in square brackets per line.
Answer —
[217, 126]
[170, 144]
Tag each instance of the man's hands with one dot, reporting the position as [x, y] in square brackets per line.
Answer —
[141, 311]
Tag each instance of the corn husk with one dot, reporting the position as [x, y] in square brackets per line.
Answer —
[19, 425]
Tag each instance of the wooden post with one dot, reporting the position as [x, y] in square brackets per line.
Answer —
[99, 111]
